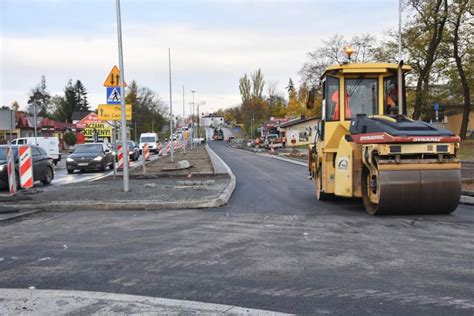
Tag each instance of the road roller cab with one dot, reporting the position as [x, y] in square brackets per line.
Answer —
[366, 146]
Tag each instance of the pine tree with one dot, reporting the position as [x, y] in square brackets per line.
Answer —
[41, 98]
[81, 96]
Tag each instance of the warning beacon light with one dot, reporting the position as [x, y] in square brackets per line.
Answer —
[349, 52]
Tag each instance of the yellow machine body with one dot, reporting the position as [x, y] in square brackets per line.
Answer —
[391, 174]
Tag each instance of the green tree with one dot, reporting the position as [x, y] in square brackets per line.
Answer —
[422, 36]
[15, 106]
[81, 96]
[40, 96]
[148, 110]
[74, 99]
[70, 138]
[460, 37]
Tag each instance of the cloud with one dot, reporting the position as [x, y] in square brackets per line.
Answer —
[210, 61]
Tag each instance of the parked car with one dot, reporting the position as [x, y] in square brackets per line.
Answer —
[43, 168]
[93, 156]
[151, 139]
[49, 144]
[133, 150]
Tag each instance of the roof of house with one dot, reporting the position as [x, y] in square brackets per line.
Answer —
[22, 120]
[298, 121]
[46, 122]
[79, 115]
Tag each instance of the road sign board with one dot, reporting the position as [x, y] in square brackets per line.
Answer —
[113, 79]
[111, 112]
[436, 106]
[114, 96]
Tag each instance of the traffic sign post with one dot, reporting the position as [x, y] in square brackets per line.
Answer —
[436, 108]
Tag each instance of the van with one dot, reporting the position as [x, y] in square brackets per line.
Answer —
[49, 144]
[151, 139]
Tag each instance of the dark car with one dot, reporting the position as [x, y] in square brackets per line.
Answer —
[133, 150]
[94, 156]
[43, 167]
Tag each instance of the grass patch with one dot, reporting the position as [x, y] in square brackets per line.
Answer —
[466, 151]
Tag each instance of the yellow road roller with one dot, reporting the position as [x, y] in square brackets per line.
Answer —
[366, 146]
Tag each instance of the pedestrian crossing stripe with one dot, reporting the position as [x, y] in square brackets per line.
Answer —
[113, 95]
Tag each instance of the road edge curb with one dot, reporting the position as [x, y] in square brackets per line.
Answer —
[226, 194]
[50, 296]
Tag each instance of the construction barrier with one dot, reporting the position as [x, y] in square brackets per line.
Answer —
[26, 167]
[121, 158]
[11, 171]
[160, 149]
[168, 147]
[146, 152]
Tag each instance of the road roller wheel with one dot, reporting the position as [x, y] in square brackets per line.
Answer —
[369, 188]
[320, 195]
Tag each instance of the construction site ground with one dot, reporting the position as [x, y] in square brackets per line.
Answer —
[198, 158]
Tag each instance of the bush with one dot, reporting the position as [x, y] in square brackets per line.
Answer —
[70, 139]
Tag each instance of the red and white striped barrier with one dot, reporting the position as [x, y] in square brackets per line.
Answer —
[11, 171]
[146, 152]
[26, 167]
[160, 149]
[121, 158]
[168, 147]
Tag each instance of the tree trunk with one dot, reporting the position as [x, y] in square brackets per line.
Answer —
[465, 87]
[430, 55]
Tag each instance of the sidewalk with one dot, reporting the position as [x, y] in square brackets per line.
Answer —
[54, 302]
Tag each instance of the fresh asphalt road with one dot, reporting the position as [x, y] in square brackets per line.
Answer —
[273, 247]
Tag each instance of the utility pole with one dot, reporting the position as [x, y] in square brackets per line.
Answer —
[400, 61]
[192, 132]
[35, 122]
[183, 134]
[123, 127]
[135, 130]
[171, 109]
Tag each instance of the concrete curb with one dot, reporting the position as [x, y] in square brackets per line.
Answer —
[289, 160]
[13, 216]
[225, 195]
[468, 200]
[50, 302]
[220, 200]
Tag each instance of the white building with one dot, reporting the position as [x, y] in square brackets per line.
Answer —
[212, 120]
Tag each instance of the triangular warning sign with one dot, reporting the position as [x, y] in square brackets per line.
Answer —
[113, 79]
[114, 95]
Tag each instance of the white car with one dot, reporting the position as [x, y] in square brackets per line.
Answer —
[151, 139]
[49, 144]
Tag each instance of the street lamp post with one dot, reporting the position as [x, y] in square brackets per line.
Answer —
[171, 109]
[192, 131]
[126, 187]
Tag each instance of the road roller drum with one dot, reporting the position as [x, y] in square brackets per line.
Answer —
[412, 191]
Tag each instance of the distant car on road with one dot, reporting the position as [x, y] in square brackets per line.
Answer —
[133, 150]
[151, 139]
[43, 168]
[93, 156]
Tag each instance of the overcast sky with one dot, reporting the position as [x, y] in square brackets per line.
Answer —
[213, 43]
